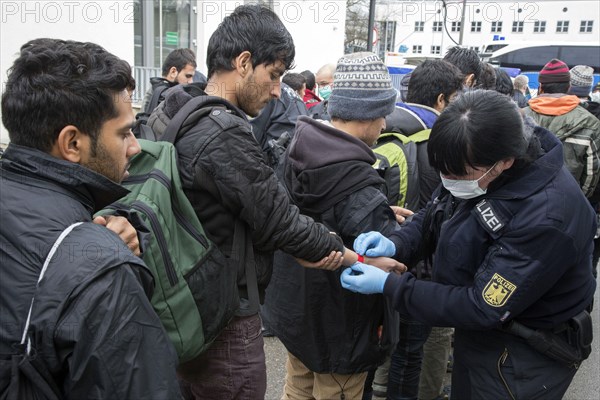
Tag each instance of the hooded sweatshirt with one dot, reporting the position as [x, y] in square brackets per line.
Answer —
[318, 156]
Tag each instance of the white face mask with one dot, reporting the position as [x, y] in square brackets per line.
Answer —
[465, 189]
[595, 97]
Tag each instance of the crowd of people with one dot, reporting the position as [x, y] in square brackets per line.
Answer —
[491, 262]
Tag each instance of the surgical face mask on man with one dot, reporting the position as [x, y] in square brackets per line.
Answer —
[325, 92]
[465, 189]
[595, 97]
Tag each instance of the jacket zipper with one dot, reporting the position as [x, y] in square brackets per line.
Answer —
[500, 363]
[159, 176]
[160, 238]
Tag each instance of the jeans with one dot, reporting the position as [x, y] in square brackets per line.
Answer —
[232, 368]
[405, 364]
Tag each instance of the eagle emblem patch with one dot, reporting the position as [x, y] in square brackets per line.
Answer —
[497, 291]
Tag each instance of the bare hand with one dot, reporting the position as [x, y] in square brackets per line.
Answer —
[330, 263]
[122, 227]
[401, 213]
[386, 264]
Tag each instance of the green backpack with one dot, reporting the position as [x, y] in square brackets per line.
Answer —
[397, 164]
[196, 292]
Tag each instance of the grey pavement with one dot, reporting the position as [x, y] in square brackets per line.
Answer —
[585, 386]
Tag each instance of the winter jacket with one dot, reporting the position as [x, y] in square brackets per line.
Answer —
[277, 117]
[154, 83]
[578, 130]
[330, 329]
[319, 111]
[519, 98]
[522, 251]
[224, 174]
[92, 324]
[408, 119]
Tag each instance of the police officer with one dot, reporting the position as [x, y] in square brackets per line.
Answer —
[509, 235]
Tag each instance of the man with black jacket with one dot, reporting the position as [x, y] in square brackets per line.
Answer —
[231, 187]
[67, 109]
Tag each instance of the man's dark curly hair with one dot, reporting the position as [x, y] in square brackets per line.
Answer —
[54, 83]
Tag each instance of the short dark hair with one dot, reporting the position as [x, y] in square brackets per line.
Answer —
[310, 79]
[293, 80]
[252, 28]
[432, 78]
[478, 129]
[54, 83]
[465, 59]
[555, 87]
[487, 77]
[504, 84]
[178, 58]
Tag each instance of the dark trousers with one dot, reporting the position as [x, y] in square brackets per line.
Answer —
[405, 364]
[497, 365]
[232, 368]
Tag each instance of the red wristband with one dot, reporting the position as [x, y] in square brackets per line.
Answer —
[360, 259]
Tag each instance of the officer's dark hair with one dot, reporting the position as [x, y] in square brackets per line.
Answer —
[252, 28]
[465, 59]
[432, 78]
[293, 80]
[310, 79]
[504, 84]
[487, 78]
[178, 58]
[555, 87]
[54, 83]
[478, 129]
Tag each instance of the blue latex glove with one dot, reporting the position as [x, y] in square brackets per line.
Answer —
[374, 244]
[363, 278]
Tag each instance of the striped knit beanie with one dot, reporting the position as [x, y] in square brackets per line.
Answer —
[362, 88]
[554, 71]
[582, 78]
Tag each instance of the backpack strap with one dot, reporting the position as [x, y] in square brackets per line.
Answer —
[61, 237]
[157, 91]
[173, 130]
[420, 136]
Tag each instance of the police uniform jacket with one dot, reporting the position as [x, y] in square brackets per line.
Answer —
[521, 251]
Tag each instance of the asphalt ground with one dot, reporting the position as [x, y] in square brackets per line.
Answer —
[585, 385]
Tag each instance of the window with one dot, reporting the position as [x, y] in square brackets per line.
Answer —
[562, 26]
[437, 26]
[417, 49]
[517, 27]
[456, 26]
[436, 49]
[496, 26]
[387, 37]
[539, 27]
[586, 26]
[475, 26]
[419, 26]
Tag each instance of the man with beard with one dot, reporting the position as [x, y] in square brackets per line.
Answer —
[92, 329]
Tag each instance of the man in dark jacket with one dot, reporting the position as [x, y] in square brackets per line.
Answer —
[225, 175]
[332, 336]
[178, 68]
[67, 109]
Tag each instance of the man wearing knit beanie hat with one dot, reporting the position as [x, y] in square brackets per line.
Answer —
[582, 78]
[329, 174]
[577, 129]
[362, 88]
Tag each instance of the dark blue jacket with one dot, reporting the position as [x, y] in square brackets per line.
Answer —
[521, 251]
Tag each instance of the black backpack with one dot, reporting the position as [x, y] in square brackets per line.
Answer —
[140, 130]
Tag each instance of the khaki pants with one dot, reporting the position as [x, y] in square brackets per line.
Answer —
[303, 384]
[435, 361]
